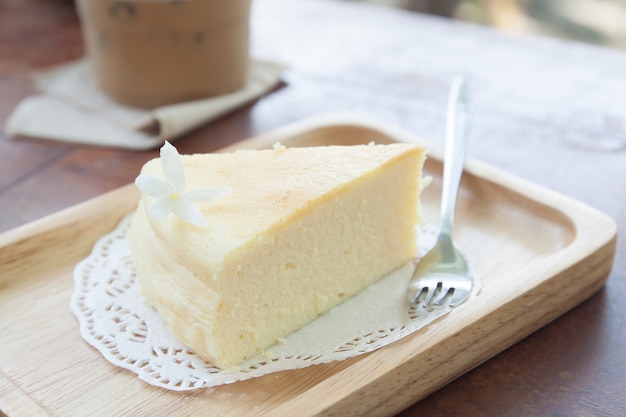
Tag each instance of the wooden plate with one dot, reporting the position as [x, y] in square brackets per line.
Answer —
[537, 253]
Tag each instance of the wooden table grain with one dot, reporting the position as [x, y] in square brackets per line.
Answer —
[549, 110]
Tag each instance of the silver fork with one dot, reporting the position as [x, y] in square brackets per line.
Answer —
[442, 275]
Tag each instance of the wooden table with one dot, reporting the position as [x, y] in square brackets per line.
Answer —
[549, 110]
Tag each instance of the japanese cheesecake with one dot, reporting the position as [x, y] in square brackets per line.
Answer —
[301, 230]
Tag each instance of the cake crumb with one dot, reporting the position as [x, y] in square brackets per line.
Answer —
[426, 181]
[267, 354]
[372, 143]
[278, 147]
[281, 341]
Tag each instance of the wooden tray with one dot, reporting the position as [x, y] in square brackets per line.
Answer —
[538, 254]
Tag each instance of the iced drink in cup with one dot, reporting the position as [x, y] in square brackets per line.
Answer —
[149, 53]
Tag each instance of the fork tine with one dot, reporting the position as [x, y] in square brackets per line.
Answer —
[459, 297]
[446, 295]
[436, 290]
[420, 295]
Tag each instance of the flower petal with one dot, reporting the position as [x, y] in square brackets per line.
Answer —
[153, 186]
[172, 166]
[189, 213]
[161, 207]
[205, 195]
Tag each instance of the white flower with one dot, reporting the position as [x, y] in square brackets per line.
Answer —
[171, 195]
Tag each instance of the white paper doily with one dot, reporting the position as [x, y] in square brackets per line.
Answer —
[116, 321]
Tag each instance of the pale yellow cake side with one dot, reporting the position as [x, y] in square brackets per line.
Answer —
[302, 230]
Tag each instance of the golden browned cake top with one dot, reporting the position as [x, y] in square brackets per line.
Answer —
[268, 188]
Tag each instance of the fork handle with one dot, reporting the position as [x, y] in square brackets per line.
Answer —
[457, 128]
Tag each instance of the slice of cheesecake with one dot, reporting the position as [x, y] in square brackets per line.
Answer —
[301, 230]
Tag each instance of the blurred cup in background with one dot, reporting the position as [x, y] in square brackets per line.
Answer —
[150, 53]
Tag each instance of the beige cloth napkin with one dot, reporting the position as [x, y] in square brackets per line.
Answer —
[71, 108]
